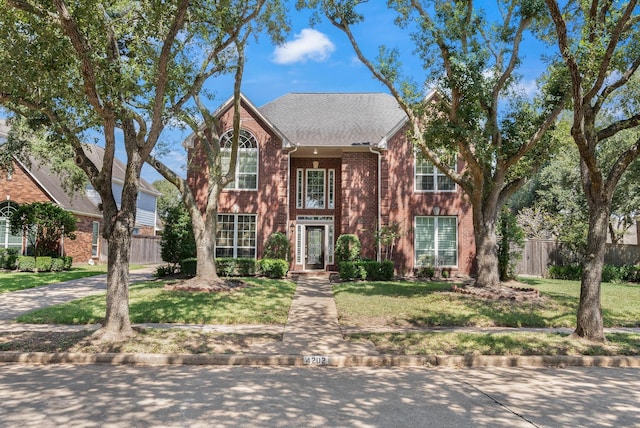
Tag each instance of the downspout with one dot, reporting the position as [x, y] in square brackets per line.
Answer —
[377, 152]
[289, 198]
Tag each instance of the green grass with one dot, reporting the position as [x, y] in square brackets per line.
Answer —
[264, 302]
[428, 304]
[522, 343]
[15, 281]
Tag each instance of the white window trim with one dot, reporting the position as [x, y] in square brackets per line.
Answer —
[236, 179]
[324, 188]
[435, 249]
[235, 234]
[95, 245]
[331, 188]
[300, 188]
[302, 221]
[437, 172]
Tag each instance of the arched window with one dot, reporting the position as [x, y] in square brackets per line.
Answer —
[8, 240]
[247, 163]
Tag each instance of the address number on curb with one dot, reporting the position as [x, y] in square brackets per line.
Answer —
[317, 360]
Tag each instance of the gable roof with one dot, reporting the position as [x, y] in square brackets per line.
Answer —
[51, 184]
[335, 119]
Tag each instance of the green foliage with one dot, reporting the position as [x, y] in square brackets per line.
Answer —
[246, 266]
[273, 268]
[188, 266]
[44, 224]
[277, 246]
[165, 270]
[57, 264]
[178, 242]
[370, 270]
[169, 198]
[8, 258]
[26, 264]
[43, 263]
[347, 248]
[387, 237]
[511, 241]
[68, 262]
[226, 266]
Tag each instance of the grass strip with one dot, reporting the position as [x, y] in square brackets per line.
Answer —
[264, 302]
[523, 343]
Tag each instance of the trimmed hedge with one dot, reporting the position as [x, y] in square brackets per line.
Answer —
[43, 264]
[8, 258]
[26, 264]
[225, 266]
[366, 269]
[57, 265]
[273, 268]
[610, 273]
[188, 266]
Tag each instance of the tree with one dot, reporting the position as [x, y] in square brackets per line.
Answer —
[207, 135]
[478, 111]
[599, 45]
[120, 70]
[43, 223]
[177, 241]
[169, 198]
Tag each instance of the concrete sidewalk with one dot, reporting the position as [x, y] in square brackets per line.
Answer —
[312, 330]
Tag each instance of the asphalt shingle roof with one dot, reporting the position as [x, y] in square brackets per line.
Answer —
[334, 119]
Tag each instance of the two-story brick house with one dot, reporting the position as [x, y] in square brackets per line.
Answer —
[318, 165]
[35, 182]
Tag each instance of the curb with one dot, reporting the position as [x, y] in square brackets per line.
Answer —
[454, 361]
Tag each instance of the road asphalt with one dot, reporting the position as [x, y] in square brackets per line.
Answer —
[312, 335]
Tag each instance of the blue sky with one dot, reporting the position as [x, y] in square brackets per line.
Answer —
[321, 59]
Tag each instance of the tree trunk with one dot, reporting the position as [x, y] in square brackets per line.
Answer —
[486, 252]
[589, 321]
[117, 326]
[204, 231]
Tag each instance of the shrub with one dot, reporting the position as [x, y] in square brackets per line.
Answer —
[226, 266]
[387, 270]
[569, 272]
[43, 264]
[178, 242]
[188, 266]
[352, 270]
[277, 246]
[612, 273]
[273, 268]
[246, 267]
[26, 264]
[164, 270]
[347, 248]
[68, 261]
[57, 264]
[8, 258]
[426, 272]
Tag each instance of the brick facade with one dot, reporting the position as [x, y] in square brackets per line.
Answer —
[20, 188]
[372, 188]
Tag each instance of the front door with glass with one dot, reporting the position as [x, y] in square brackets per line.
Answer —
[315, 248]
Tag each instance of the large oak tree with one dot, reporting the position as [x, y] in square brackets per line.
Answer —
[479, 112]
[599, 42]
[122, 70]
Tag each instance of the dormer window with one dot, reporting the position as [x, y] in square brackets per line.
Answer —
[246, 177]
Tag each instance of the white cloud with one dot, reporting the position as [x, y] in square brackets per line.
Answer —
[308, 44]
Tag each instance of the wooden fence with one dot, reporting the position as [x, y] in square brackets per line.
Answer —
[144, 250]
[538, 255]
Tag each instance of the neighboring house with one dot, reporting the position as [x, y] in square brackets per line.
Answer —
[315, 166]
[36, 183]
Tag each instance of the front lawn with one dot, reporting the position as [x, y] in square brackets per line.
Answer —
[263, 302]
[428, 304]
[16, 281]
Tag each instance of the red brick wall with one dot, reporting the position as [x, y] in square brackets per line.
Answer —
[360, 199]
[269, 201]
[400, 203]
[22, 189]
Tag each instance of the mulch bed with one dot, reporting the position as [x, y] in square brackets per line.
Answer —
[200, 286]
[503, 292]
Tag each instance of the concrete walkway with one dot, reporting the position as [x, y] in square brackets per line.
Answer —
[312, 325]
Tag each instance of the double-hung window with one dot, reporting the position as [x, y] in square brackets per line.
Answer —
[428, 178]
[8, 239]
[95, 239]
[236, 235]
[436, 241]
[246, 177]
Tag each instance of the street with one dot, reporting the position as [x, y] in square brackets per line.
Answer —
[177, 396]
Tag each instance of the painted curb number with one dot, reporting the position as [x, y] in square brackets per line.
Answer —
[318, 360]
